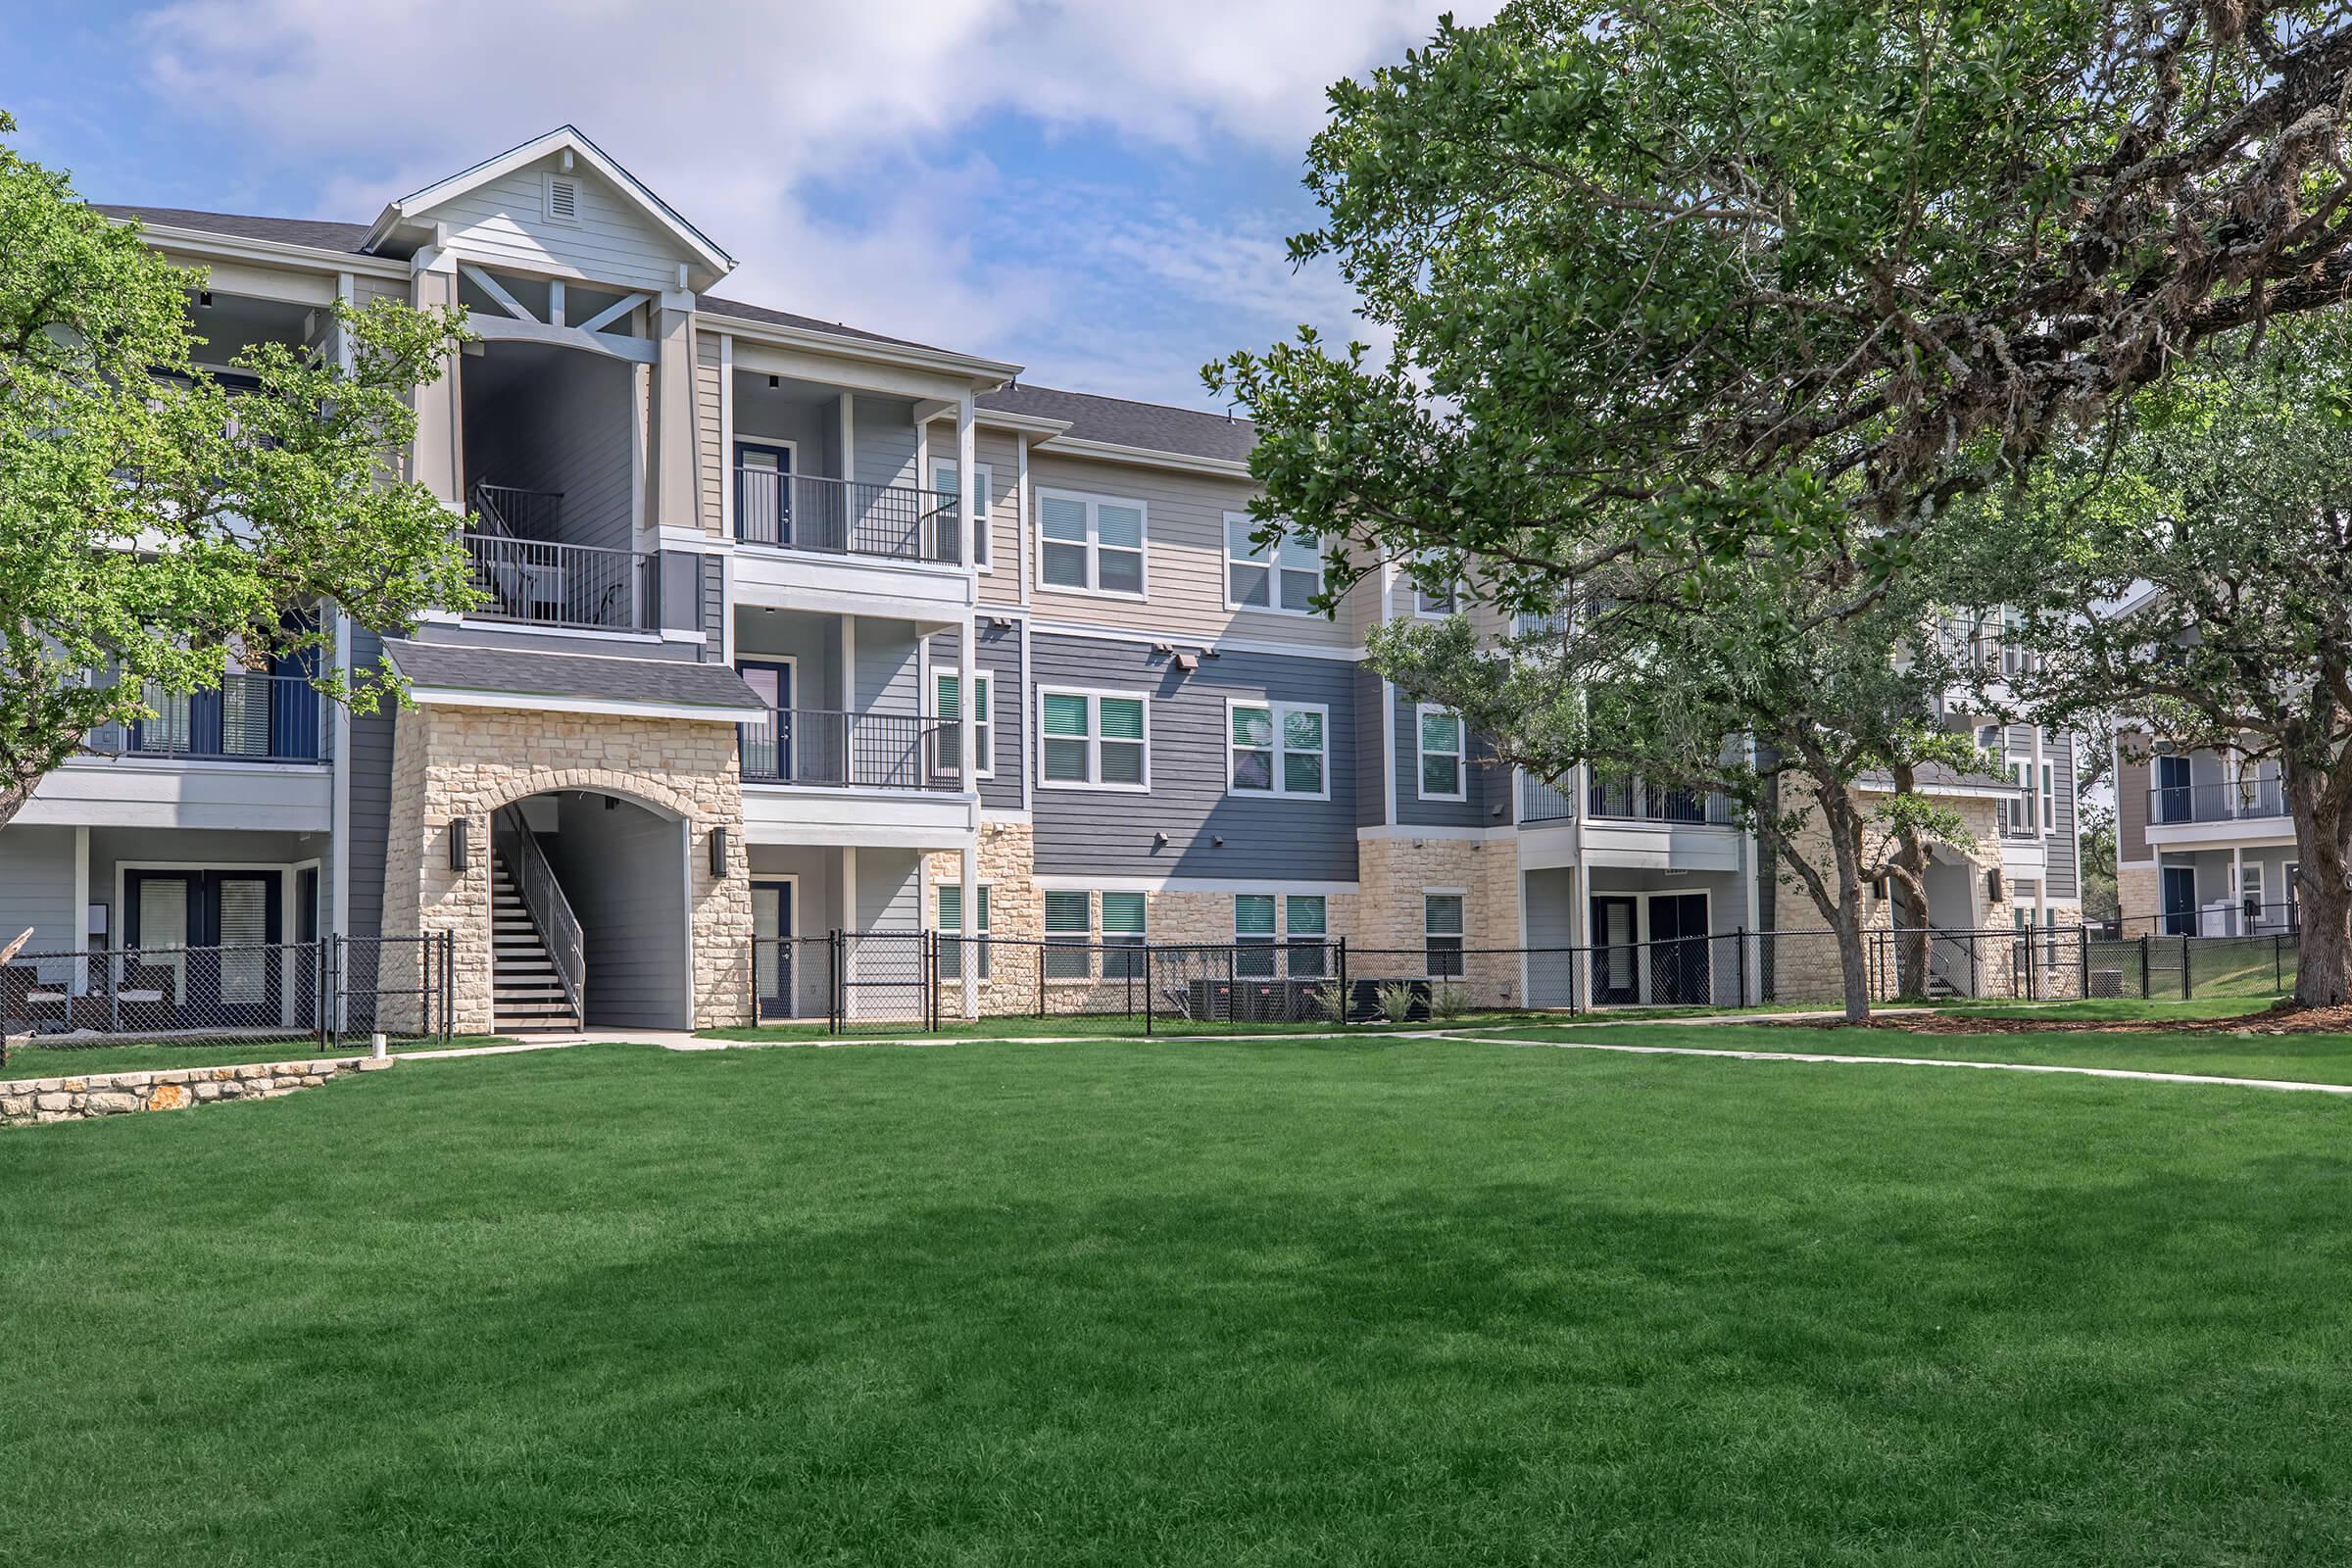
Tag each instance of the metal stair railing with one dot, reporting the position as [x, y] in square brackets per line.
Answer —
[543, 899]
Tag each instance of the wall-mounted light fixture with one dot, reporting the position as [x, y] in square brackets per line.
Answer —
[775, 383]
[1159, 840]
[718, 852]
[460, 836]
[204, 299]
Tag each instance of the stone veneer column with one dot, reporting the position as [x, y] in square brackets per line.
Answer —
[451, 762]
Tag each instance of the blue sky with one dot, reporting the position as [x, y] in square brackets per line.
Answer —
[1097, 191]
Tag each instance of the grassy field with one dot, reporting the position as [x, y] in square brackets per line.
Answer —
[34, 1059]
[1290, 1303]
[1108, 1026]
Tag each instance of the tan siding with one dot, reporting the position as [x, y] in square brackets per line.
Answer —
[504, 223]
[710, 460]
[2132, 784]
[366, 290]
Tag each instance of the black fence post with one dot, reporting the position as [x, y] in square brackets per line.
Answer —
[1148, 1009]
[1740, 963]
[833, 980]
[2188, 988]
[1039, 950]
[2083, 958]
[2277, 961]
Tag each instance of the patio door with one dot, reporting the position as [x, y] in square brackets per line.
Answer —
[1678, 948]
[2179, 901]
[772, 948]
[2175, 800]
[1616, 978]
[763, 493]
[226, 925]
[768, 741]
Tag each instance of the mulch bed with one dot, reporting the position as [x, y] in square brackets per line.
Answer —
[2279, 1020]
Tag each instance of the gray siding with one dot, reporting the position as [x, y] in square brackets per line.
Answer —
[624, 872]
[499, 634]
[370, 764]
[885, 437]
[713, 589]
[1484, 785]
[1371, 801]
[885, 680]
[890, 896]
[2065, 879]
[1112, 832]
[999, 654]
[36, 890]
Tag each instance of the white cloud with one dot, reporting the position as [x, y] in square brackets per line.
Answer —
[751, 118]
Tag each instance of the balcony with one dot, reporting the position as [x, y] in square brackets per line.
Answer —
[528, 577]
[830, 749]
[1639, 801]
[2181, 804]
[249, 718]
[1541, 803]
[848, 517]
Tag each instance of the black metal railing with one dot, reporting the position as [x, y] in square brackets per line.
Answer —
[848, 516]
[859, 750]
[513, 513]
[246, 719]
[1539, 801]
[2216, 803]
[1640, 800]
[545, 584]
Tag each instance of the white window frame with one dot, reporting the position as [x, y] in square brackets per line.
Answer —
[1094, 695]
[2048, 798]
[1281, 790]
[2293, 900]
[1271, 564]
[1092, 502]
[987, 902]
[987, 474]
[1281, 939]
[1460, 755]
[1460, 937]
[985, 750]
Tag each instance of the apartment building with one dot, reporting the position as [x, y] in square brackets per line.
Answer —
[791, 627]
[2203, 842]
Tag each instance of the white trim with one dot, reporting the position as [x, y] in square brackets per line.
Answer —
[592, 634]
[1049, 883]
[984, 758]
[1093, 544]
[1408, 830]
[533, 703]
[985, 565]
[792, 700]
[1093, 739]
[1460, 755]
[1278, 788]
[1148, 457]
[265, 252]
[1272, 566]
[483, 280]
[1020, 504]
[982, 901]
[791, 999]
[1225, 644]
[78, 930]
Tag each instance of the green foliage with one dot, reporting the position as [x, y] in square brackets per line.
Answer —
[153, 526]
[1447, 1001]
[1395, 999]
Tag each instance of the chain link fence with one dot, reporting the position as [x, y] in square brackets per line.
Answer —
[326, 992]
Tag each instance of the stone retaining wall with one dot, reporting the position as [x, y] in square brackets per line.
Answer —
[27, 1100]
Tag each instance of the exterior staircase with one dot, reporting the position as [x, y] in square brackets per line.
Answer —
[526, 994]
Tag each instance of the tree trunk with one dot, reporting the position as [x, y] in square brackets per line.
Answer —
[2323, 901]
[1853, 968]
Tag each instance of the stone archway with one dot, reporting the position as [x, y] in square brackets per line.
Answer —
[462, 764]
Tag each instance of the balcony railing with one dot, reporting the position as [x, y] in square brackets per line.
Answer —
[249, 718]
[2216, 803]
[851, 750]
[845, 517]
[1539, 801]
[1639, 801]
[545, 584]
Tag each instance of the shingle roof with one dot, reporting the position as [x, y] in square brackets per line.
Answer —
[713, 305]
[312, 232]
[1120, 422]
[455, 666]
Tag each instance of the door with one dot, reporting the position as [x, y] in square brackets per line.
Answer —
[1615, 977]
[1678, 948]
[768, 741]
[2179, 901]
[772, 948]
[2175, 800]
[217, 933]
[763, 493]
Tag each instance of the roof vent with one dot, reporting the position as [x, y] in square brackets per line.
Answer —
[563, 199]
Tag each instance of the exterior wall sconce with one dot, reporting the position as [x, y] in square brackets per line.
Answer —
[460, 839]
[1993, 890]
[718, 852]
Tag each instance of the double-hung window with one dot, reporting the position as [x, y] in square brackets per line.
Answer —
[1268, 927]
[1094, 739]
[950, 924]
[1306, 933]
[2049, 798]
[947, 701]
[1253, 935]
[1069, 929]
[1122, 929]
[1441, 737]
[1091, 543]
[1278, 749]
[1283, 575]
[1442, 932]
[975, 504]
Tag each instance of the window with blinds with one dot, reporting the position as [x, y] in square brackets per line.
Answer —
[1069, 925]
[950, 924]
[1277, 749]
[948, 687]
[1093, 739]
[1091, 543]
[975, 504]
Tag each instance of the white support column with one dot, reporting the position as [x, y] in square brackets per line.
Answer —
[79, 929]
[848, 435]
[1021, 538]
[967, 742]
[847, 683]
[2237, 888]
[726, 440]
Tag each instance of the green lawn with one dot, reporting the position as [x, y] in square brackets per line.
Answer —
[1375, 1302]
[2303, 1059]
[1115, 1026]
[38, 1060]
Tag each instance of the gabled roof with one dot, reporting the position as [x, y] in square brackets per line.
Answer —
[309, 232]
[564, 138]
[452, 668]
[1123, 422]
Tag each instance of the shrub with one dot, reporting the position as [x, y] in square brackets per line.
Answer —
[1448, 1000]
[1395, 1000]
[1331, 1001]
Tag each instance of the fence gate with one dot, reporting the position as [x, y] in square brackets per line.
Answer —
[401, 987]
[889, 978]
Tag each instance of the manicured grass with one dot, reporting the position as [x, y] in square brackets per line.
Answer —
[38, 1060]
[2110, 1010]
[2302, 1058]
[1110, 1026]
[1374, 1301]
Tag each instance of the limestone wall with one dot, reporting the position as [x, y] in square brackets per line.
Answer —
[24, 1101]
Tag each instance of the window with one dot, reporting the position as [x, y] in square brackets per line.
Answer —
[1254, 933]
[1094, 739]
[1441, 931]
[1284, 575]
[1441, 754]
[943, 481]
[2049, 798]
[1442, 604]
[1304, 924]
[950, 923]
[2295, 913]
[948, 684]
[1122, 927]
[1090, 544]
[1278, 749]
[1069, 925]
[2250, 899]
[1266, 925]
